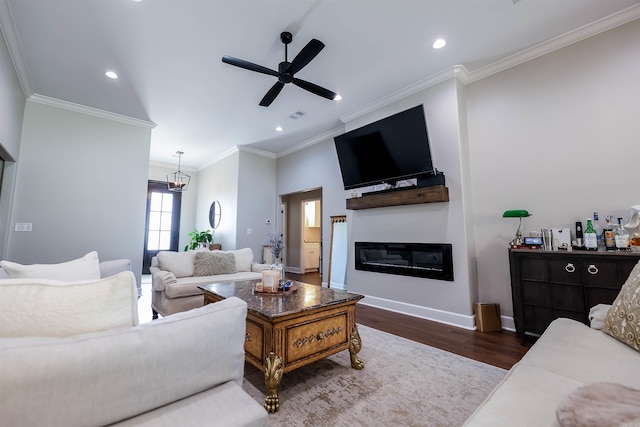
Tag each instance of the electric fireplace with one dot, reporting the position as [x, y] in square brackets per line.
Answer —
[429, 260]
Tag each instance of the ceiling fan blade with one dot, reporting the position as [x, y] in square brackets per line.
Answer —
[305, 56]
[315, 89]
[271, 94]
[248, 65]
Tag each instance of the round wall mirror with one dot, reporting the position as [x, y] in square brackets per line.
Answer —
[214, 214]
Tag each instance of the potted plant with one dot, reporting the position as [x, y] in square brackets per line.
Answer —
[199, 239]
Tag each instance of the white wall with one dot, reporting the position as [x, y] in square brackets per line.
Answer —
[315, 167]
[558, 136]
[82, 183]
[220, 182]
[244, 184]
[12, 102]
[445, 301]
[256, 200]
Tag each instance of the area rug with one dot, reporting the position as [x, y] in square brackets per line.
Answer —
[403, 383]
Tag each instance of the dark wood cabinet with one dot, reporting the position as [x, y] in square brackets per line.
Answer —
[546, 285]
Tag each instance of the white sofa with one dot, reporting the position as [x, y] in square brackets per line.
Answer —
[106, 268]
[175, 279]
[566, 367]
[183, 370]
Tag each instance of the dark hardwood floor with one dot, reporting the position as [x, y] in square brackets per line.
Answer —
[502, 349]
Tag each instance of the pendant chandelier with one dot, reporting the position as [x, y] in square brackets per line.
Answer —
[178, 181]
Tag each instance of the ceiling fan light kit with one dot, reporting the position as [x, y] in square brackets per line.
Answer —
[287, 70]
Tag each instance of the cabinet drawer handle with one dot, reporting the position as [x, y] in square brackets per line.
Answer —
[570, 268]
[592, 269]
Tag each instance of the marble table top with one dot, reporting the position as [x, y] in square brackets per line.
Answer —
[307, 297]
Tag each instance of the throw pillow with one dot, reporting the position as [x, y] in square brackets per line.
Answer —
[179, 263]
[244, 258]
[53, 308]
[214, 263]
[623, 318]
[600, 404]
[85, 268]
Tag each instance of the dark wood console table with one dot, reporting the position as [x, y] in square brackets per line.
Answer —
[546, 285]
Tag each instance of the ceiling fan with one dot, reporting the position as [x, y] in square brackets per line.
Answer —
[286, 70]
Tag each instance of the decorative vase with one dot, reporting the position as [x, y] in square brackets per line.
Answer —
[278, 266]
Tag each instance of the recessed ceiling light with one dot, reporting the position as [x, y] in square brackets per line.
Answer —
[439, 44]
[279, 128]
[337, 98]
[111, 75]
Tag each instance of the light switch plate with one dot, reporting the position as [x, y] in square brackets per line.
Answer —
[23, 226]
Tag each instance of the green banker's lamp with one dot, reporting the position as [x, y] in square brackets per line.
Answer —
[517, 213]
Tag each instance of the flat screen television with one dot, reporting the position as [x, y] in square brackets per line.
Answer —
[386, 151]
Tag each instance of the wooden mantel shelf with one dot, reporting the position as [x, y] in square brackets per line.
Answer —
[413, 196]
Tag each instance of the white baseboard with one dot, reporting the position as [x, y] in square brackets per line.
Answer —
[508, 324]
[295, 270]
[441, 316]
[334, 285]
[454, 319]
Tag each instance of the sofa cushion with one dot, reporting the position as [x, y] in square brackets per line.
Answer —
[51, 308]
[600, 404]
[188, 286]
[179, 263]
[212, 263]
[103, 378]
[244, 258]
[84, 268]
[527, 397]
[114, 266]
[222, 406]
[623, 318]
[569, 348]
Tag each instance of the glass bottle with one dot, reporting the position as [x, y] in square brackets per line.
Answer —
[598, 229]
[609, 234]
[622, 237]
[590, 237]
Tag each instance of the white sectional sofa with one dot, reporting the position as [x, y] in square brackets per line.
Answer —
[183, 370]
[79, 266]
[175, 276]
[575, 375]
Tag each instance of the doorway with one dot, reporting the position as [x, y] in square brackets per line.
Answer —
[162, 229]
[293, 222]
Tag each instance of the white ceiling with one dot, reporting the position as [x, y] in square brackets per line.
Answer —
[168, 56]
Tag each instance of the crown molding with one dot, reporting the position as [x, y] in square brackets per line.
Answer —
[171, 166]
[315, 140]
[581, 33]
[256, 151]
[78, 108]
[8, 29]
[460, 72]
[457, 71]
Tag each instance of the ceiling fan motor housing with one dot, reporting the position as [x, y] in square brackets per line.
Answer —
[286, 37]
[283, 76]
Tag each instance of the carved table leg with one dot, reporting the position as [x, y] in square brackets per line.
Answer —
[272, 377]
[354, 348]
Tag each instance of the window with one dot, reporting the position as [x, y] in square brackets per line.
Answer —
[160, 220]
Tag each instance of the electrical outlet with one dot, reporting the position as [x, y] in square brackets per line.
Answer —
[23, 226]
[249, 230]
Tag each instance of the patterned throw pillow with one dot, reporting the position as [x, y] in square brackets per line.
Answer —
[213, 263]
[623, 318]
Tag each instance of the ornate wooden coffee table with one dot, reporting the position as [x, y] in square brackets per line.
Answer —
[287, 331]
